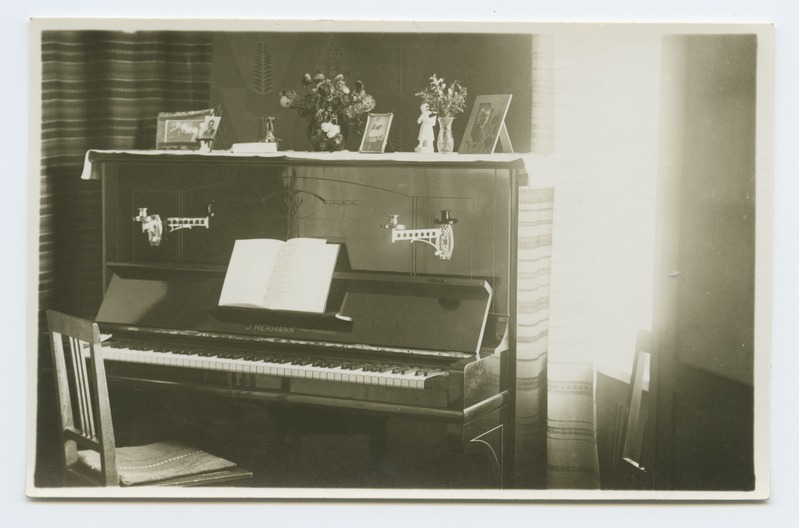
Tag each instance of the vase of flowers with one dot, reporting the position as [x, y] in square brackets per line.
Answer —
[332, 108]
[445, 101]
[446, 141]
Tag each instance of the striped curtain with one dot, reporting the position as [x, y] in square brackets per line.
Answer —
[532, 335]
[555, 423]
[572, 461]
[101, 90]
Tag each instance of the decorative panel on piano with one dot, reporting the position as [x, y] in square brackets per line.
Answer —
[409, 333]
[349, 203]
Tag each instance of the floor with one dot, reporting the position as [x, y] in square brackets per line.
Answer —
[305, 447]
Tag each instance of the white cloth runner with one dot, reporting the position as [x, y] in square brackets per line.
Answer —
[344, 155]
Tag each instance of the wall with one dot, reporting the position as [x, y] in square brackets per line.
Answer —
[705, 266]
[250, 70]
[717, 217]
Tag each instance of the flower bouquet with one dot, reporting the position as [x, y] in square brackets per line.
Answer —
[332, 108]
[444, 101]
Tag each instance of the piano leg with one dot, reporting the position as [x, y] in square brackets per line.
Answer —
[484, 436]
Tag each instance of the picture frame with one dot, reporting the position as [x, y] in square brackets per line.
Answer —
[486, 125]
[209, 128]
[180, 130]
[375, 133]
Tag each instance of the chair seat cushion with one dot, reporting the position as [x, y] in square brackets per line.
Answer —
[149, 464]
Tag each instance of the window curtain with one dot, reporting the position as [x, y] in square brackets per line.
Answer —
[532, 335]
[555, 425]
[555, 433]
[596, 107]
[100, 90]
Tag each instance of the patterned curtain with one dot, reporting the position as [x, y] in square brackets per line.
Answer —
[532, 334]
[100, 90]
[543, 110]
[572, 461]
[555, 426]
[555, 433]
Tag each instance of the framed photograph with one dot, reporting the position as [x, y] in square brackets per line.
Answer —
[485, 125]
[375, 134]
[209, 127]
[180, 130]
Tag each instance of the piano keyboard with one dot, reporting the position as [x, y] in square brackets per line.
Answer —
[319, 368]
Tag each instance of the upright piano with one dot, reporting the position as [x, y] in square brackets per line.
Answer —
[420, 316]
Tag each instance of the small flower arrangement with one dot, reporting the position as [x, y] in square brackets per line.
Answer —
[445, 100]
[331, 107]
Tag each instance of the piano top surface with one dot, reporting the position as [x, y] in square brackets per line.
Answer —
[454, 160]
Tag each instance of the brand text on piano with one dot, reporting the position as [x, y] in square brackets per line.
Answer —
[269, 328]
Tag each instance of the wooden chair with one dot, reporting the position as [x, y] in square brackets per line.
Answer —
[635, 452]
[87, 432]
[625, 422]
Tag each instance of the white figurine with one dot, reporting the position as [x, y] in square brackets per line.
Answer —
[426, 136]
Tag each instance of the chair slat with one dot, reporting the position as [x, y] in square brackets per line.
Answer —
[65, 415]
[81, 414]
[85, 353]
[82, 388]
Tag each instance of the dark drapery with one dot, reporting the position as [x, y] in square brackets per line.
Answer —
[100, 90]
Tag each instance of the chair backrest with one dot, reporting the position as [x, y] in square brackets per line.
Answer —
[641, 400]
[85, 411]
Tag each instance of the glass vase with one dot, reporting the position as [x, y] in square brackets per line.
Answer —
[445, 142]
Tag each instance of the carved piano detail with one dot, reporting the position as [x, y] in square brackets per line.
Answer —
[406, 332]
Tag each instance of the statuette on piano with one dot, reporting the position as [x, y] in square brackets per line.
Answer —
[442, 238]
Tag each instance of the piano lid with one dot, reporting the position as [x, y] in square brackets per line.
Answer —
[375, 309]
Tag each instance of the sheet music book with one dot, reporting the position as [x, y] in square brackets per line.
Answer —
[276, 275]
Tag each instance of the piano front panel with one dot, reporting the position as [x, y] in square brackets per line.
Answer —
[345, 204]
[350, 203]
[250, 202]
[350, 206]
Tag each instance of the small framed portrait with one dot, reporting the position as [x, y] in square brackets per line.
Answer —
[209, 127]
[375, 135]
[485, 125]
[180, 130]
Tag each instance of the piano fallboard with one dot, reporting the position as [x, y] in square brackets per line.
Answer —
[384, 311]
